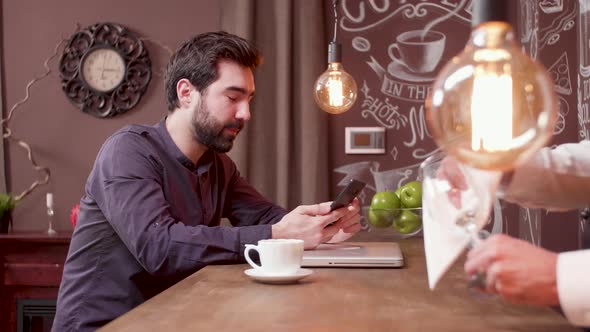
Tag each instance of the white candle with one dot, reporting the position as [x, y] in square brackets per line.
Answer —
[49, 200]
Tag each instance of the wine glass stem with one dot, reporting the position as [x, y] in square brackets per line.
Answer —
[478, 279]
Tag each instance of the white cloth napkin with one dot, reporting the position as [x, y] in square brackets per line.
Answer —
[444, 240]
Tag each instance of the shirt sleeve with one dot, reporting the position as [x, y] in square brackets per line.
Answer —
[246, 206]
[554, 179]
[573, 286]
[128, 190]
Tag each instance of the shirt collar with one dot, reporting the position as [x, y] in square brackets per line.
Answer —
[204, 163]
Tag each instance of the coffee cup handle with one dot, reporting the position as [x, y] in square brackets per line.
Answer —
[392, 54]
[247, 255]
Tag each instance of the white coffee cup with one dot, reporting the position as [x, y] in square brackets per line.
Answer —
[419, 52]
[277, 256]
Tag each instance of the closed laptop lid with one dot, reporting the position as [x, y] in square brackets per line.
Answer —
[355, 254]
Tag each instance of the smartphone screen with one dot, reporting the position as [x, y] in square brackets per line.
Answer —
[345, 197]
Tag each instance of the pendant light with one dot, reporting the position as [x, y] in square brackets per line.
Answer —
[335, 90]
[492, 106]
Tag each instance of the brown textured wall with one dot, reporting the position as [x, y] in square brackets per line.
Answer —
[62, 137]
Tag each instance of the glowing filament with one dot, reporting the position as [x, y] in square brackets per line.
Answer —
[491, 112]
[335, 91]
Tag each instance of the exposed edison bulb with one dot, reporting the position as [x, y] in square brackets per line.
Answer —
[492, 106]
[335, 90]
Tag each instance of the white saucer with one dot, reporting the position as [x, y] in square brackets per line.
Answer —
[257, 275]
[399, 70]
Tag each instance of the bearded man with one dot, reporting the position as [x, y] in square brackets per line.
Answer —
[150, 215]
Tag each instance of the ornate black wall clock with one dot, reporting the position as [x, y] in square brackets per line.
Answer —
[104, 69]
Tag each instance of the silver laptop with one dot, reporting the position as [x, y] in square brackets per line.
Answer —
[355, 254]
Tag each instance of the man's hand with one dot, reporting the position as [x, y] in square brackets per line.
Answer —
[450, 171]
[315, 224]
[516, 270]
[349, 224]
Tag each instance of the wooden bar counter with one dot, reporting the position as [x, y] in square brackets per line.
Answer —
[223, 298]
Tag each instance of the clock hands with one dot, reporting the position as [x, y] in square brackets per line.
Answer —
[102, 67]
[105, 70]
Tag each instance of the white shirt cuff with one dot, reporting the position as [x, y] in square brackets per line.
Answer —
[573, 286]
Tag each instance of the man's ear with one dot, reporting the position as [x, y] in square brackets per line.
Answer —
[186, 92]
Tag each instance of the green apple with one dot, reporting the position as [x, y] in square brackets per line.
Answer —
[384, 207]
[407, 222]
[411, 195]
[385, 200]
[380, 218]
[398, 192]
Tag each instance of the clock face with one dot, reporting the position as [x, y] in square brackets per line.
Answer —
[103, 69]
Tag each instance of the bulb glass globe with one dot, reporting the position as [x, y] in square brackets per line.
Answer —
[492, 106]
[335, 91]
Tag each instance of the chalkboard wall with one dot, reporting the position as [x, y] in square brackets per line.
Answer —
[394, 77]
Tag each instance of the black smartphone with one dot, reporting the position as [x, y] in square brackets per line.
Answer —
[345, 197]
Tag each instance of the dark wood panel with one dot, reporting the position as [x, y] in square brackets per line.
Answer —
[32, 274]
[49, 254]
[35, 237]
[31, 267]
[8, 304]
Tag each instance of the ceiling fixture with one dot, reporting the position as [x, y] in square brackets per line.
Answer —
[335, 90]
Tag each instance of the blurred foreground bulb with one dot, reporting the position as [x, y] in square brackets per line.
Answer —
[492, 106]
[335, 90]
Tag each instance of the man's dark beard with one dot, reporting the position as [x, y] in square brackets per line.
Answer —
[209, 132]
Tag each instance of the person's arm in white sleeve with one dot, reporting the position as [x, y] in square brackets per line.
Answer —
[553, 179]
[573, 286]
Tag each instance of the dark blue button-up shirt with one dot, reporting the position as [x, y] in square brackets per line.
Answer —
[150, 217]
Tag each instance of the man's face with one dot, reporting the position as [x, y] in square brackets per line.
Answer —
[224, 107]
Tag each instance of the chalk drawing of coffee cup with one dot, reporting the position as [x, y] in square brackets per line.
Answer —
[420, 52]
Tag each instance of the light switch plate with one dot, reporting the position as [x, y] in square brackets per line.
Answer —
[364, 140]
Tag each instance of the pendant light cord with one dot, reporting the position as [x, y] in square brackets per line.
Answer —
[335, 20]
[334, 49]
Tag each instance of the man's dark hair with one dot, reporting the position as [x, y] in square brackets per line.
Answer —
[197, 58]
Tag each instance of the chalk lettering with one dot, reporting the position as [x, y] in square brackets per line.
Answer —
[383, 111]
[419, 92]
[393, 88]
[418, 126]
[583, 120]
[404, 91]
[452, 4]
[381, 9]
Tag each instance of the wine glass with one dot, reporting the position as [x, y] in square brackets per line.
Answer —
[457, 202]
